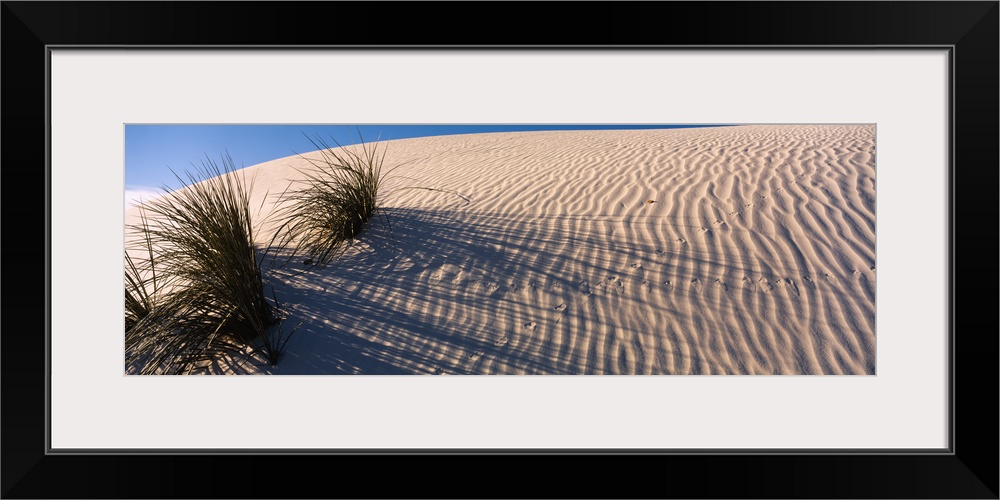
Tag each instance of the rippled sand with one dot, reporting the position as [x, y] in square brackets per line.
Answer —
[730, 250]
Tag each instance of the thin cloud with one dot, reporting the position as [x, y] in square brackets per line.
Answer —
[134, 195]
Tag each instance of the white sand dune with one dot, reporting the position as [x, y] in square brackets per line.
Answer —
[756, 255]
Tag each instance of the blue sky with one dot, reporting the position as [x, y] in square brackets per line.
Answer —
[152, 150]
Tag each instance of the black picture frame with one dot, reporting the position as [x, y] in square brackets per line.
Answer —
[968, 470]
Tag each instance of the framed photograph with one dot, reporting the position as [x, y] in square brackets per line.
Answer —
[715, 251]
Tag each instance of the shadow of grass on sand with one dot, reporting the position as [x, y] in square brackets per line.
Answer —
[476, 293]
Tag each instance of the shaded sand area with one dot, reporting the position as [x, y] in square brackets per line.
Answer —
[729, 250]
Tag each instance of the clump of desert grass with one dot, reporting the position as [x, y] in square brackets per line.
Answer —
[334, 201]
[140, 282]
[199, 293]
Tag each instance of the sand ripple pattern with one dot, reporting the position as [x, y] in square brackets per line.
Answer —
[730, 250]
